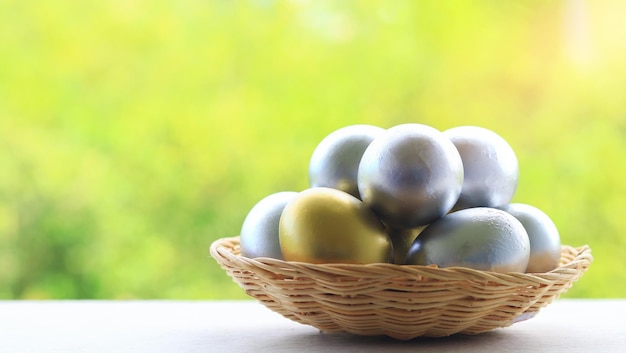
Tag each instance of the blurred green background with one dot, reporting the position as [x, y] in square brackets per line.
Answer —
[135, 133]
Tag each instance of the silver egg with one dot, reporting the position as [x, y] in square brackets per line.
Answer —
[335, 160]
[545, 241]
[481, 238]
[490, 167]
[410, 175]
[259, 233]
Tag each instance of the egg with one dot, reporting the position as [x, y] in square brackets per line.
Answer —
[480, 238]
[325, 225]
[259, 233]
[545, 241]
[402, 239]
[490, 167]
[335, 160]
[410, 175]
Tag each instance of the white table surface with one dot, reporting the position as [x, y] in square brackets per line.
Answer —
[246, 326]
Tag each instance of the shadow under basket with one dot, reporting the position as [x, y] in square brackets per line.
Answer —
[399, 301]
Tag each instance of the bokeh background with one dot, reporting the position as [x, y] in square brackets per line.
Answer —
[135, 133]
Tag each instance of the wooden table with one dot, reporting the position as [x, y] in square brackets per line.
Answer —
[246, 326]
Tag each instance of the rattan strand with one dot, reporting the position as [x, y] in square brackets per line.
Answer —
[402, 302]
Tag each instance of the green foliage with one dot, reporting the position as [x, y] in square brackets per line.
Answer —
[134, 133]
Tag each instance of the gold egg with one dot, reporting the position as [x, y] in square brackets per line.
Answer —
[325, 225]
[402, 239]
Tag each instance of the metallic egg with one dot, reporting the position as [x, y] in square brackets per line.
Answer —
[490, 167]
[325, 225]
[410, 175]
[335, 160]
[259, 233]
[481, 238]
[545, 241]
[402, 239]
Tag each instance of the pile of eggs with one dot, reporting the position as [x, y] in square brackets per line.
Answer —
[410, 194]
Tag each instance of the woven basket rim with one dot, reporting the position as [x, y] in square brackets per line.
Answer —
[227, 249]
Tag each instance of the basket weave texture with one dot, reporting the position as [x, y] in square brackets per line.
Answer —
[400, 301]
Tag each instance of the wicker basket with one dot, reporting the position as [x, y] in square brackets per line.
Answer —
[400, 301]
